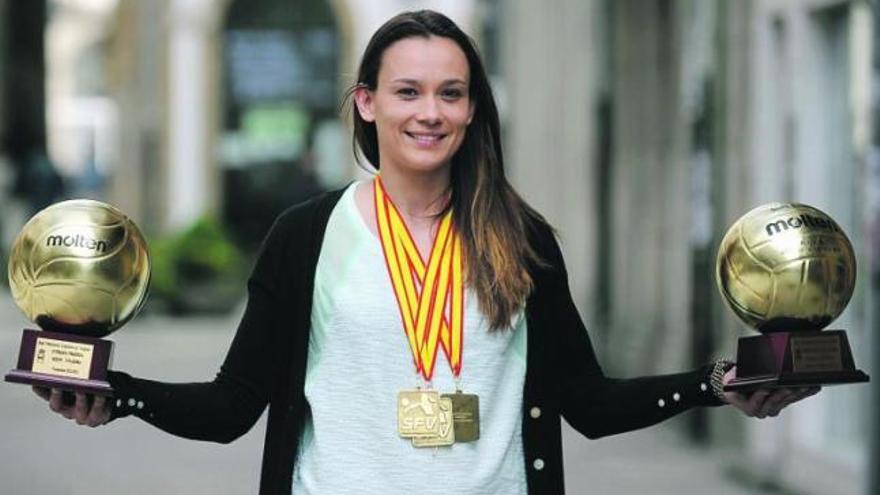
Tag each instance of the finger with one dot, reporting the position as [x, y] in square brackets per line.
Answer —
[744, 402]
[65, 408]
[753, 406]
[736, 399]
[791, 400]
[799, 394]
[779, 399]
[43, 392]
[776, 402]
[770, 405]
[99, 412]
[56, 401]
[81, 408]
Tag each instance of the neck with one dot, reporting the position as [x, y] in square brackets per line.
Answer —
[417, 196]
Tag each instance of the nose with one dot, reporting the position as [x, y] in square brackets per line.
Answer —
[429, 112]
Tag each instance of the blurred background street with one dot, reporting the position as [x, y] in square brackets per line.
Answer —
[640, 128]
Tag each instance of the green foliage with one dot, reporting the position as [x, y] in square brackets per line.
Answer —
[198, 269]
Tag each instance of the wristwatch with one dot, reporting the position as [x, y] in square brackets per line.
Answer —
[721, 367]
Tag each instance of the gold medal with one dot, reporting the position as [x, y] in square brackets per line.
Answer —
[430, 297]
[465, 416]
[446, 433]
[418, 413]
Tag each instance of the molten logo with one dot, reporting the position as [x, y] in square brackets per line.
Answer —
[802, 221]
[77, 240]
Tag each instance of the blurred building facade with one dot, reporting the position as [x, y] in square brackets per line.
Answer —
[644, 129]
[641, 129]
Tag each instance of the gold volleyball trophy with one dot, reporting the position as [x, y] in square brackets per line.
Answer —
[80, 270]
[788, 270]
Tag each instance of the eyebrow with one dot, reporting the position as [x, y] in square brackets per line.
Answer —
[417, 82]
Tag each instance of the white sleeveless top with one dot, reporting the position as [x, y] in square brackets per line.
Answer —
[359, 359]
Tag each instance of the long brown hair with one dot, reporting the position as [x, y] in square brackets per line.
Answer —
[491, 217]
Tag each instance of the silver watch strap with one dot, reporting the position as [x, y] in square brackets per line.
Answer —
[717, 378]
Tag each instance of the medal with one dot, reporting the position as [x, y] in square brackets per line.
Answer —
[418, 413]
[430, 298]
[446, 432]
[465, 416]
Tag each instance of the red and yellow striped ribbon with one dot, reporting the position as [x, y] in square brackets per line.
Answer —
[424, 292]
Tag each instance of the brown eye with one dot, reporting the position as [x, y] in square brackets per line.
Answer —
[407, 92]
[452, 94]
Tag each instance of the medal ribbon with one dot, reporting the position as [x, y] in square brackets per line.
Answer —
[423, 292]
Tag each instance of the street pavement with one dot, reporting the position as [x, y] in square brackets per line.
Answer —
[44, 454]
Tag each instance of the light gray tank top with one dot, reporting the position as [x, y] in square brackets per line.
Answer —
[359, 360]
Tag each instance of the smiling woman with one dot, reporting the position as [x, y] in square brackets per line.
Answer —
[424, 105]
[357, 291]
[421, 112]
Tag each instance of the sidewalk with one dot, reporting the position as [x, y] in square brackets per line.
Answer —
[655, 461]
[41, 454]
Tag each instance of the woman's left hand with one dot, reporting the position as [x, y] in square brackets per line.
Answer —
[765, 402]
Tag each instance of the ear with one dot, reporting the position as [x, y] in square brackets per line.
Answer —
[471, 109]
[363, 98]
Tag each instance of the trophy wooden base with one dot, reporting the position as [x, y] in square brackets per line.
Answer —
[95, 387]
[794, 359]
[63, 361]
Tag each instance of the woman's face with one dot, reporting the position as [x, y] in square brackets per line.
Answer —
[420, 106]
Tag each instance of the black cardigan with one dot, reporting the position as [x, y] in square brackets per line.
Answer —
[266, 364]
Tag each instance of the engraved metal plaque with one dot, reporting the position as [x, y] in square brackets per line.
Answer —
[816, 353]
[62, 358]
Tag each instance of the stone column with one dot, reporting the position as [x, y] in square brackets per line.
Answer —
[553, 66]
[650, 276]
[192, 173]
[137, 84]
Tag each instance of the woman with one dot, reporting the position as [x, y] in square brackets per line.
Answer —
[427, 307]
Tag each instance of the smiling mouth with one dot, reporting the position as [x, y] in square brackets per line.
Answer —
[426, 139]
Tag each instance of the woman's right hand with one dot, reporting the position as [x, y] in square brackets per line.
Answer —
[85, 410]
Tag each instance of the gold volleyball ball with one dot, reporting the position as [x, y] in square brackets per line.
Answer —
[786, 267]
[81, 267]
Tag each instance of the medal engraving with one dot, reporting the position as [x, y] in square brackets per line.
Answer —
[465, 416]
[418, 413]
[446, 433]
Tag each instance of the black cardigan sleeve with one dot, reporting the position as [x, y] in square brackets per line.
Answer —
[227, 407]
[591, 402]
